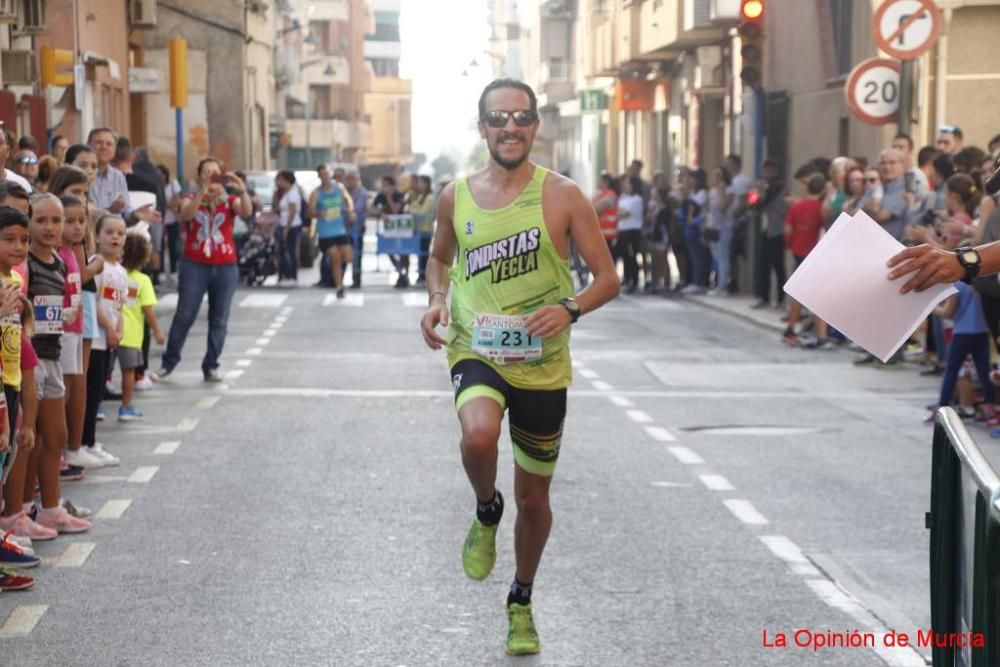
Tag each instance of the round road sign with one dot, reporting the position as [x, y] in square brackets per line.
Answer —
[906, 29]
[872, 90]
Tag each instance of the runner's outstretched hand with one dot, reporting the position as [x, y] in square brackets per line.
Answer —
[437, 313]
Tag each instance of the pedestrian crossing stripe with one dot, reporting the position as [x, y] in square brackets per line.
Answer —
[350, 299]
[414, 300]
[264, 300]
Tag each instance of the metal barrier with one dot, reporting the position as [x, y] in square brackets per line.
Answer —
[964, 523]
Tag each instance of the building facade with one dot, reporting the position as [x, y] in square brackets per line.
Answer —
[389, 102]
[99, 35]
[322, 82]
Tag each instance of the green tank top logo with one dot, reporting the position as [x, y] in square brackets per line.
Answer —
[507, 258]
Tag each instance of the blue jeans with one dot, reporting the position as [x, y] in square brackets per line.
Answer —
[722, 253]
[701, 260]
[358, 241]
[288, 253]
[194, 281]
[963, 345]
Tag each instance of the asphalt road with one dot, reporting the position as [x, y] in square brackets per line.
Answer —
[713, 486]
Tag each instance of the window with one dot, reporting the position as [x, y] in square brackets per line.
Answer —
[386, 27]
[602, 6]
[320, 30]
[840, 25]
[385, 67]
[319, 100]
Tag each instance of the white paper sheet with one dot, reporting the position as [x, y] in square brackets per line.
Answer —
[843, 281]
[137, 199]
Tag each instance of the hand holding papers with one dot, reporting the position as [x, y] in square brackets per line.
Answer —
[843, 281]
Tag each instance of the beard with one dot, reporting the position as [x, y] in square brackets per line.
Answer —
[508, 164]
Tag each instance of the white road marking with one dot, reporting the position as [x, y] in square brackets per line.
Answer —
[270, 332]
[167, 301]
[281, 318]
[671, 485]
[263, 341]
[716, 483]
[23, 620]
[287, 310]
[639, 417]
[143, 474]
[263, 300]
[788, 551]
[686, 456]
[234, 374]
[101, 479]
[353, 299]
[746, 512]
[168, 447]
[833, 595]
[576, 363]
[75, 555]
[621, 401]
[187, 424]
[660, 434]
[277, 325]
[414, 300]
[588, 374]
[601, 385]
[113, 509]
[254, 351]
[243, 363]
[208, 401]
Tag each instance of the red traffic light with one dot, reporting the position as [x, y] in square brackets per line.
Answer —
[752, 10]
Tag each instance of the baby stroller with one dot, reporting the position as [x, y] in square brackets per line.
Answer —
[258, 251]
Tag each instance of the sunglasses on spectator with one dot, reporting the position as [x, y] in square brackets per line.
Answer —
[27, 160]
[522, 118]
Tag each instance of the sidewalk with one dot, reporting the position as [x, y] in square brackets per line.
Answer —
[739, 306]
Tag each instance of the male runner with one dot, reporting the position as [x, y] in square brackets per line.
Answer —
[512, 303]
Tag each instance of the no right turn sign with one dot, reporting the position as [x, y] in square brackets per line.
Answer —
[906, 29]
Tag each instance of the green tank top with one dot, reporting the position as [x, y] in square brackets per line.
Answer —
[507, 265]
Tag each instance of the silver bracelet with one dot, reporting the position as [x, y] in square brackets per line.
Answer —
[437, 291]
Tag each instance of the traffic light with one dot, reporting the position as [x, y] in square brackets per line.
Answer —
[751, 32]
[52, 59]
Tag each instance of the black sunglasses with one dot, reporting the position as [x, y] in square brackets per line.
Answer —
[522, 117]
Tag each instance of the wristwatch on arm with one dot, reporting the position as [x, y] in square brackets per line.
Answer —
[573, 307]
[970, 260]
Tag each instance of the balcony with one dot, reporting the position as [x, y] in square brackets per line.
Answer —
[330, 133]
[669, 27]
[555, 77]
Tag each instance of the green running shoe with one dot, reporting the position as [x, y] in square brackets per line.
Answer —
[479, 553]
[522, 639]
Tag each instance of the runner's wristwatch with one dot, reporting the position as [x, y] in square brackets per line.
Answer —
[573, 307]
[970, 260]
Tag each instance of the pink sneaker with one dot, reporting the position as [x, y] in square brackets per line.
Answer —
[21, 525]
[62, 521]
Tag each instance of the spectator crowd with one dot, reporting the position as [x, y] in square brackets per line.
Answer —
[701, 221]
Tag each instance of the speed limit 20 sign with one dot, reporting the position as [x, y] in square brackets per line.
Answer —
[873, 90]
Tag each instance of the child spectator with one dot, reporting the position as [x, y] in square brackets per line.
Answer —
[970, 336]
[112, 285]
[47, 277]
[74, 369]
[138, 311]
[13, 250]
[803, 224]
